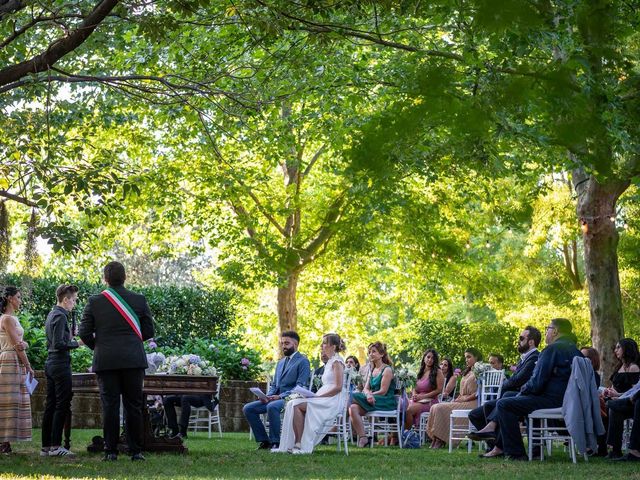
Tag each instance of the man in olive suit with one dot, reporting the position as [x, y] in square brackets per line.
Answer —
[114, 325]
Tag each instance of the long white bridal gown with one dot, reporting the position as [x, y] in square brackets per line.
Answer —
[319, 410]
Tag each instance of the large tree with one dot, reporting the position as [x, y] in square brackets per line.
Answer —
[561, 76]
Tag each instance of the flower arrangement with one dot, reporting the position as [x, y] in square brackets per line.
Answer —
[188, 364]
[155, 361]
[291, 396]
[316, 381]
[405, 378]
[354, 376]
[479, 368]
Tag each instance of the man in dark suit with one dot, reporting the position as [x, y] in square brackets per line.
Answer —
[294, 369]
[545, 389]
[114, 325]
[528, 343]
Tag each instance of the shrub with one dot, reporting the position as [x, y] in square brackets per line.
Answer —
[35, 336]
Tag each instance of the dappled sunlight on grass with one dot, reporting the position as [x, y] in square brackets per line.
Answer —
[234, 456]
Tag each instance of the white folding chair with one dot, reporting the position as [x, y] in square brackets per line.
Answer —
[202, 418]
[490, 388]
[384, 422]
[339, 426]
[547, 434]
[626, 433]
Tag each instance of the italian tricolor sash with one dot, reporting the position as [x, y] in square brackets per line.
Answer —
[125, 310]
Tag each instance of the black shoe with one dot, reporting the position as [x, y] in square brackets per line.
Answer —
[137, 457]
[264, 446]
[481, 436]
[517, 458]
[110, 457]
[614, 456]
[629, 457]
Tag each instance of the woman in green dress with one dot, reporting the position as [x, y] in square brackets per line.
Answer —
[377, 393]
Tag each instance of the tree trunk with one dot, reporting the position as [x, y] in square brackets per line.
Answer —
[287, 311]
[596, 206]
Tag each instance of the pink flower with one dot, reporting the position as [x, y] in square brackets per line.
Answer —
[245, 362]
[457, 371]
[513, 368]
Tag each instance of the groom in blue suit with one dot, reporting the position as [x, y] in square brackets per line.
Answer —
[294, 369]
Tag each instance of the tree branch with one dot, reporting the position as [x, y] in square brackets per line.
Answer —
[313, 160]
[60, 47]
[17, 198]
[326, 231]
[10, 6]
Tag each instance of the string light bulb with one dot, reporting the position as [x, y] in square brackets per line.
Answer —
[487, 244]
[584, 226]
[612, 218]
[433, 255]
[468, 246]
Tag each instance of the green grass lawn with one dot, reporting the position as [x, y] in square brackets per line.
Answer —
[234, 456]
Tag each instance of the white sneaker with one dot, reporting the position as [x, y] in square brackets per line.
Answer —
[61, 452]
[44, 453]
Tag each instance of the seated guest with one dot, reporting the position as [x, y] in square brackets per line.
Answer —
[428, 385]
[626, 374]
[528, 342]
[352, 362]
[304, 417]
[496, 361]
[593, 355]
[378, 392]
[293, 369]
[185, 402]
[625, 406]
[450, 377]
[545, 389]
[438, 424]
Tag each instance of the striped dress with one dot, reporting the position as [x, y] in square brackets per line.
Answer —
[15, 404]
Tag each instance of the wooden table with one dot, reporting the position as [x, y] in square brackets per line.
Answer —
[87, 383]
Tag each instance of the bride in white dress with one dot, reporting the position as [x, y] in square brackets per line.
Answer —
[303, 417]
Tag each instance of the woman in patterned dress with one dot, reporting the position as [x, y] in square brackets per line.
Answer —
[15, 404]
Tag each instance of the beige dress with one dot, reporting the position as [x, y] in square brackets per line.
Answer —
[15, 404]
[438, 423]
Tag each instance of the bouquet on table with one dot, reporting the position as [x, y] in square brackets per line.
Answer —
[187, 365]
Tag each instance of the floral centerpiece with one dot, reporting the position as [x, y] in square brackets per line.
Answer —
[405, 378]
[353, 376]
[187, 365]
[479, 368]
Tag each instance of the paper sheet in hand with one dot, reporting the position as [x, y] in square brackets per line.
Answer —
[303, 391]
[31, 383]
[258, 393]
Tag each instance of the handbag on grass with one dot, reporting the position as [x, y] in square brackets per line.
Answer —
[410, 438]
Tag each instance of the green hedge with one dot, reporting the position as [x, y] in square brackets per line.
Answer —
[187, 320]
[180, 313]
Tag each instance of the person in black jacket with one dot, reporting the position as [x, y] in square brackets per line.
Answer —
[545, 389]
[57, 369]
[114, 325]
[528, 343]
